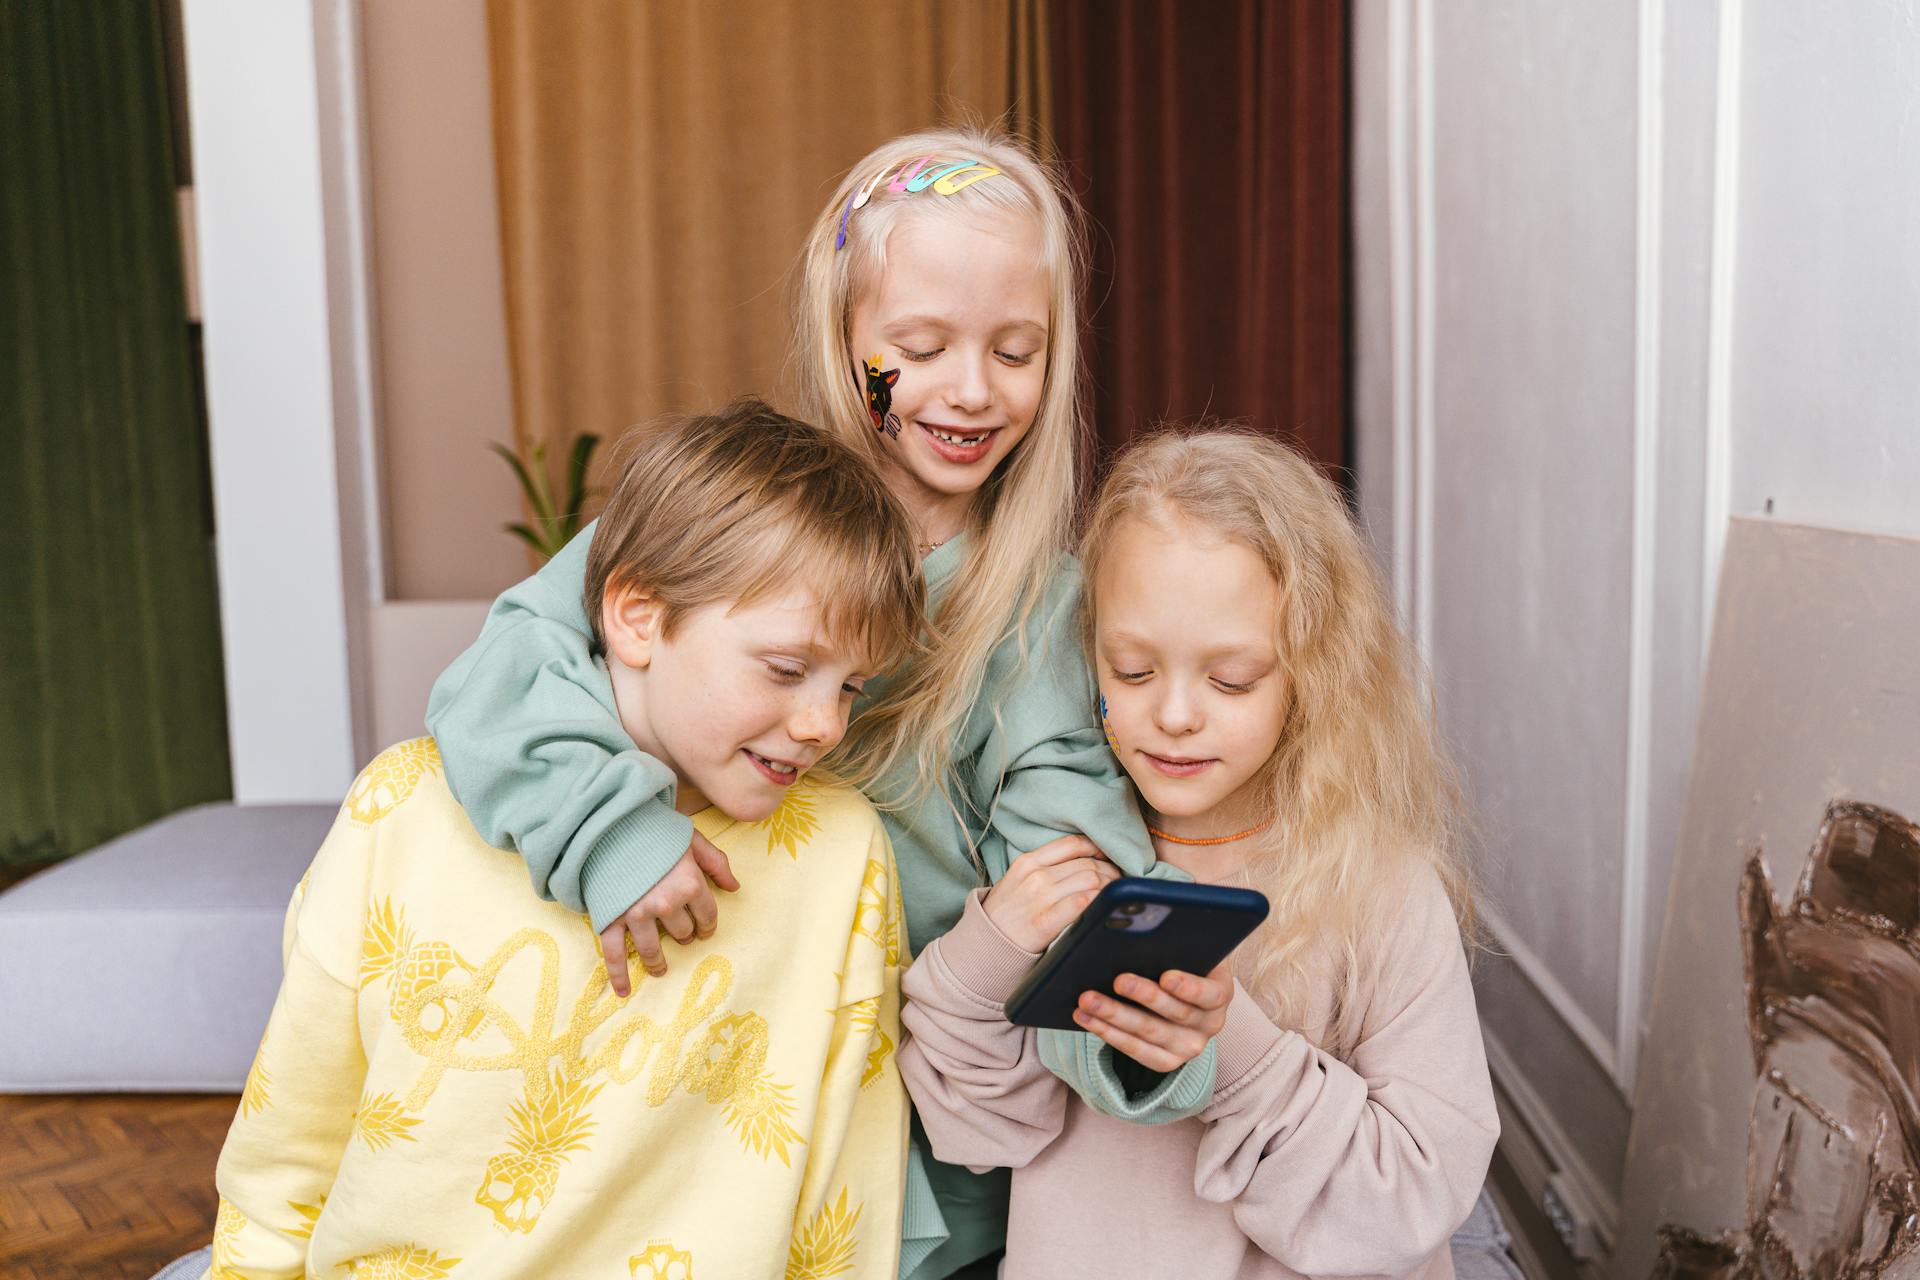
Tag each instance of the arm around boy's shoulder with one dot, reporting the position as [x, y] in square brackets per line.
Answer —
[1045, 769]
[536, 754]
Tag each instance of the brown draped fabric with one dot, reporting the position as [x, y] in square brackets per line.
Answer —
[1207, 138]
[659, 165]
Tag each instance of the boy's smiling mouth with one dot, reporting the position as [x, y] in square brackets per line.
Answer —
[779, 772]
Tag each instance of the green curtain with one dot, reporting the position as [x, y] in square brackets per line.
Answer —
[114, 711]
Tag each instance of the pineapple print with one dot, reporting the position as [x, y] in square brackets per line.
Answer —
[228, 1223]
[384, 785]
[794, 823]
[380, 1122]
[760, 1113]
[661, 1261]
[876, 916]
[518, 1184]
[257, 1093]
[729, 1067]
[309, 1215]
[864, 1018]
[389, 951]
[826, 1245]
[401, 1262]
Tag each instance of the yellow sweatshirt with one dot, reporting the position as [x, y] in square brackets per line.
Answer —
[449, 1087]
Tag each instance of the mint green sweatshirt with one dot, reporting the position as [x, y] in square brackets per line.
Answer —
[535, 751]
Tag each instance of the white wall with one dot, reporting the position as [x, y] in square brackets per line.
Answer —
[323, 666]
[1622, 271]
[254, 101]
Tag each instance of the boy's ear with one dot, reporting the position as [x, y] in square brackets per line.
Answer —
[630, 620]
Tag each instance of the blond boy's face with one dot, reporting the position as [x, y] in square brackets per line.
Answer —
[738, 702]
[1195, 693]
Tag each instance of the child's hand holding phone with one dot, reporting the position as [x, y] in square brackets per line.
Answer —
[681, 905]
[1045, 889]
[1179, 1014]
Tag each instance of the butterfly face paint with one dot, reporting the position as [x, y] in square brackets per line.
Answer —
[879, 388]
[1106, 726]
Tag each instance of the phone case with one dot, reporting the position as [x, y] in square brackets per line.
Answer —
[1194, 927]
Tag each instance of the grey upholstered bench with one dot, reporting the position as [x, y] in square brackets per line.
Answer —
[150, 963]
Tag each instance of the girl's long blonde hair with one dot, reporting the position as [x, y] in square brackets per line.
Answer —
[1020, 518]
[1358, 788]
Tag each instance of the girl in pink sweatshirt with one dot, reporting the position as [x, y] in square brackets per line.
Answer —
[1259, 695]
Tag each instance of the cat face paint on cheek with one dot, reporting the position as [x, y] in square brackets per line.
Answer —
[879, 385]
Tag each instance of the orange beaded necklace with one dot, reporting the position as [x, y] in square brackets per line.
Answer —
[1238, 835]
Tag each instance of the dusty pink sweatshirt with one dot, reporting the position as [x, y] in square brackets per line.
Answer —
[1302, 1165]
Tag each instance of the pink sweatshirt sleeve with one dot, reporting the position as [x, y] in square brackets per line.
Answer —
[1363, 1167]
[976, 1080]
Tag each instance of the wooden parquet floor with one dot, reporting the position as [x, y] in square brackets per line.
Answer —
[105, 1186]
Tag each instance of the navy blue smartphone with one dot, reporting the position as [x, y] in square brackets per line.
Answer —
[1137, 926]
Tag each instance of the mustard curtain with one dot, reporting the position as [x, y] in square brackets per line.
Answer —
[659, 165]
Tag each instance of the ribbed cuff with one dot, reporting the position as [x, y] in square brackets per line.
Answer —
[1247, 1039]
[980, 957]
[633, 856]
[1086, 1062]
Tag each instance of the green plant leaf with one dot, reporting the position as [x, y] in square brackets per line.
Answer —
[577, 464]
[519, 467]
[533, 539]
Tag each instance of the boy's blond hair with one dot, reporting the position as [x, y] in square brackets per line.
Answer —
[1021, 517]
[1358, 789]
[737, 506]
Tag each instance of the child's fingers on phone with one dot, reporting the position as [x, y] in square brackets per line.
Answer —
[1215, 991]
[1152, 1056]
[1156, 1025]
[1157, 997]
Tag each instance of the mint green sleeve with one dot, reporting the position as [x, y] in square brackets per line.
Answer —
[536, 754]
[1046, 771]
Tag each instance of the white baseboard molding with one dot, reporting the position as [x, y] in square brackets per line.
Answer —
[1541, 1154]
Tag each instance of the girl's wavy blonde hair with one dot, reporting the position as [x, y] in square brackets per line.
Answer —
[1358, 788]
[1020, 519]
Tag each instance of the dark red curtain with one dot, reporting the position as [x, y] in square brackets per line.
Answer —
[1208, 141]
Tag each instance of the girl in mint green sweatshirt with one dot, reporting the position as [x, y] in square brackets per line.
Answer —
[938, 333]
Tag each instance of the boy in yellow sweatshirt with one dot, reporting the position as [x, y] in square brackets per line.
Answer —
[449, 1086]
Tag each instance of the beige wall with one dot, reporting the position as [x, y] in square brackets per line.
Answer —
[440, 321]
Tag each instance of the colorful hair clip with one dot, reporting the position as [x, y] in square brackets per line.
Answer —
[858, 200]
[946, 186]
[913, 177]
[932, 176]
[903, 178]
